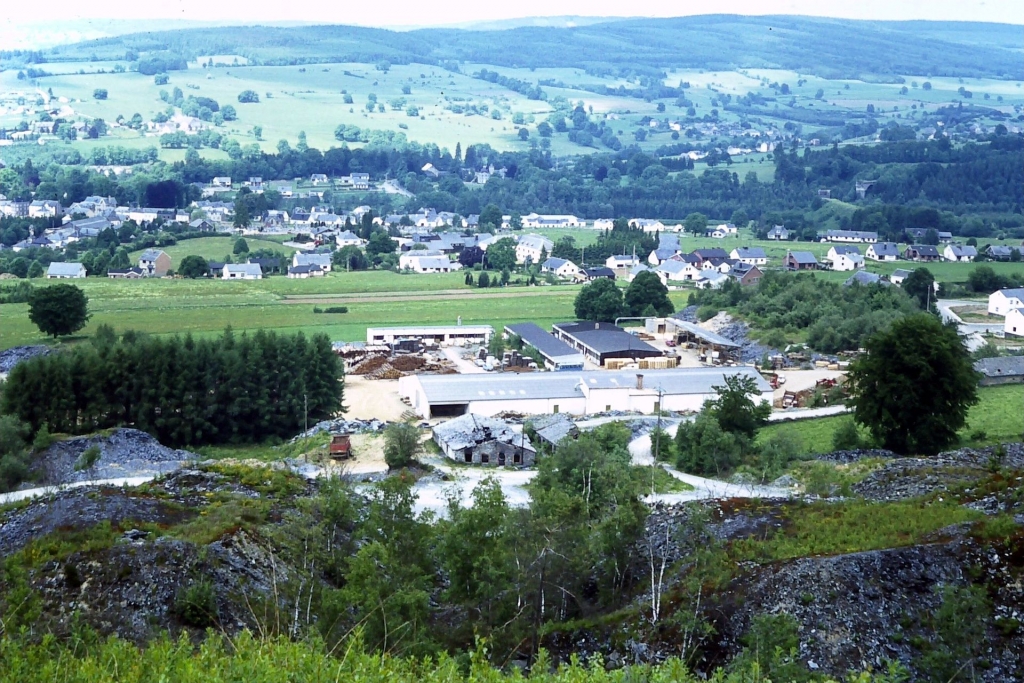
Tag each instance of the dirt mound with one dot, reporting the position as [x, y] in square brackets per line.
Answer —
[369, 365]
[408, 363]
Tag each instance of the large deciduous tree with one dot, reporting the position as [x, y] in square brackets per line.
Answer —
[599, 300]
[648, 293]
[913, 388]
[58, 310]
[193, 266]
[502, 254]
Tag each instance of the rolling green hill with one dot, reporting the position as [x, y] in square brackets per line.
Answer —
[827, 47]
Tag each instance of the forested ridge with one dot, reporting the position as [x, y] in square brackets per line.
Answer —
[833, 48]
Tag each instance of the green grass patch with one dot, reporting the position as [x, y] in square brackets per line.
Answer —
[221, 518]
[311, 447]
[662, 482]
[852, 526]
[272, 482]
[213, 248]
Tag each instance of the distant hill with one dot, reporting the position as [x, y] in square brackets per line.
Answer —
[833, 48]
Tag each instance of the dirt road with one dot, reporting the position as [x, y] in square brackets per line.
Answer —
[378, 297]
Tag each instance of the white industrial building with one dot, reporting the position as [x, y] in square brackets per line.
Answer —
[439, 334]
[577, 393]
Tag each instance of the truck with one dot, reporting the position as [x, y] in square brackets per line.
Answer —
[341, 447]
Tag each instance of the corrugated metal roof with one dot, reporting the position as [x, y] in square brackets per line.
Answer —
[706, 335]
[555, 350]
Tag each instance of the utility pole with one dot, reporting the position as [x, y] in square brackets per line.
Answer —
[657, 434]
[305, 413]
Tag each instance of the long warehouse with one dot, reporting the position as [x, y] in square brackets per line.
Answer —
[577, 393]
[557, 354]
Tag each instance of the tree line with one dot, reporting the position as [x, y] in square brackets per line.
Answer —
[184, 391]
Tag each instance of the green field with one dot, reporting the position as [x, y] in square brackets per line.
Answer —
[999, 415]
[214, 248]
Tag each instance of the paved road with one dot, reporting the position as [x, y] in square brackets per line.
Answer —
[946, 307]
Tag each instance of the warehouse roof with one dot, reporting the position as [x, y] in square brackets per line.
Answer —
[602, 338]
[453, 389]
[551, 348]
[700, 332]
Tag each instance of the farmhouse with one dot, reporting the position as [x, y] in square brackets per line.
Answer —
[753, 256]
[844, 258]
[319, 179]
[645, 224]
[1003, 370]
[746, 274]
[222, 181]
[998, 252]
[601, 342]
[1004, 300]
[560, 267]
[532, 247]
[711, 279]
[436, 334]
[778, 234]
[921, 252]
[722, 231]
[480, 440]
[883, 251]
[556, 353]
[424, 261]
[1013, 324]
[534, 220]
[61, 271]
[851, 236]
[959, 253]
[800, 260]
[133, 273]
[674, 270]
[154, 263]
[241, 271]
[304, 272]
[576, 393]
[622, 262]
[321, 260]
[636, 270]
[591, 274]
[899, 275]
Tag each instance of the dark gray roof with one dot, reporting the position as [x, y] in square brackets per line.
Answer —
[604, 338]
[469, 429]
[845, 249]
[925, 249]
[803, 257]
[864, 277]
[551, 348]
[751, 252]
[554, 427]
[599, 272]
[1016, 293]
[715, 252]
[1006, 366]
[885, 249]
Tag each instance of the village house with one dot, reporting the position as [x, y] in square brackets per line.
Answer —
[753, 256]
[154, 263]
[321, 260]
[668, 246]
[711, 279]
[604, 224]
[863, 277]
[998, 252]
[348, 238]
[304, 272]
[899, 275]
[636, 270]
[319, 179]
[255, 183]
[621, 262]
[45, 208]
[429, 262]
[223, 182]
[715, 256]
[1002, 370]
[883, 251]
[37, 242]
[133, 273]
[14, 209]
[267, 265]
[1013, 324]
[800, 260]
[746, 274]
[560, 267]
[591, 274]
[646, 224]
[959, 253]
[722, 231]
[778, 234]
[534, 220]
[531, 248]
[241, 271]
[844, 258]
[62, 271]
[355, 181]
[851, 236]
[673, 270]
[201, 225]
[480, 440]
[921, 252]
[1003, 301]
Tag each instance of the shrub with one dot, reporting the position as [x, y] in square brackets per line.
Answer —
[846, 437]
[196, 605]
[401, 445]
[89, 457]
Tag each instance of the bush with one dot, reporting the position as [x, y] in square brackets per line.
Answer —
[401, 445]
[706, 313]
[89, 457]
[197, 605]
[331, 309]
[847, 437]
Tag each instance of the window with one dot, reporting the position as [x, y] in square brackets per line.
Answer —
[517, 458]
[469, 456]
[657, 406]
[608, 408]
[485, 458]
[554, 408]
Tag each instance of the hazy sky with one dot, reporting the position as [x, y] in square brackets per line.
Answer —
[419, 13]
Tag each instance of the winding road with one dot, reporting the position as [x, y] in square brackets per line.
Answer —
[970, 331]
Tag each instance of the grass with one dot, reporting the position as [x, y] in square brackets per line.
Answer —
[213, 248]
[852, 526]
[663, 482]
[267, 452]
[997, 418]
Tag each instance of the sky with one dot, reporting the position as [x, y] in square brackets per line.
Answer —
[406, 13]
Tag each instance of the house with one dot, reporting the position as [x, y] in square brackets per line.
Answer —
[304, 272]
[863, 277]
[255, 183]
[61, 271]
[746, 274]
[844, 258]
[1005, 300]
[241, 271]
[1001, 370]
[674, 270]
[800, 260]
[998, 252]
[321, 260]
[645, 224]
[201, 225]
[753, 256]
[778, 234]
[348, 239]
[591, 274]
[560, 267]
[267, 265]
[1013, 324]
[921, 252]
[37, 242]
[424, 261]
[319, 179]
[959, 253]
[45, 208]
[883, 251]
[552, 429]
[356, 181]
[636, 270]
[711, 279]
[133, 273]
[705, 255]
[534, 220]
[899, 275]
[851, 236]
[222, 181]
[531, 247]
[722, 231]
[480, 440]
[154, 262]
[621, 262]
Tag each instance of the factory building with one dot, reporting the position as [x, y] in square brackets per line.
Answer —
[601, 342]
[556, 353]
[576, 393]
[437, 334]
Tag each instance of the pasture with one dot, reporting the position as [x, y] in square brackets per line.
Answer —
[214, 248]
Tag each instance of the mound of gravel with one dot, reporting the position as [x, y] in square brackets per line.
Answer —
[16, 354]
[124, 453]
